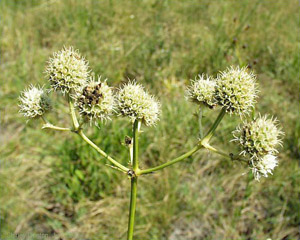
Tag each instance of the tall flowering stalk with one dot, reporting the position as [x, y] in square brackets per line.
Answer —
[233, 91]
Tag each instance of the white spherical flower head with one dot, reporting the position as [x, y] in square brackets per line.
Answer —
[96, 101]
[259, 137]
[236, 90]
[136, 103]
[202, 90]
[34, 102]
[263, 166]
[67, 71]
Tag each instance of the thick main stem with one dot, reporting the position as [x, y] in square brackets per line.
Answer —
[134, 179]
[132, 208]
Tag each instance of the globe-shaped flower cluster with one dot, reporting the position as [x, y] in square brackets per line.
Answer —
[67, 71]
[96, 100]
[234, 90]
[202, 91]
[34, 102]
[258, 140]
[134, 102]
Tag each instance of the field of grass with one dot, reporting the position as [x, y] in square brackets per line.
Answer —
[53, 183]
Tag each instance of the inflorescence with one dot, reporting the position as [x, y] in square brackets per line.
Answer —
[34, 102]
[234, 90]
[67, 71]
[95, 101]
[258, 140]
[134, 102]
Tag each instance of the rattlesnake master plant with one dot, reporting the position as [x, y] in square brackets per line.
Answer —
[233, 91]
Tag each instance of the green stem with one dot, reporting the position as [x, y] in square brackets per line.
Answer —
[226, 155]
[200, 123]
[214, 127]
[132, 208]
[104, 154]
[175, 160]
[50, 126]
[73, 114]
[135, 162]
[134, 179]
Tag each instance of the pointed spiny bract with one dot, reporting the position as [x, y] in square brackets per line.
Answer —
[136, 103]
[202, 90]
[258, 140]
[67, 71]
[96, 100]
[34, 102]
[236, 90]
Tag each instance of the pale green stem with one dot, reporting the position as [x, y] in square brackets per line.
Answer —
[132, 207]
[104, 154]
[175, 160]
[200, 123]
[50, 126]
[213, 128]
[201, 144]
[73, 114]
[229, 156]
[134, 179]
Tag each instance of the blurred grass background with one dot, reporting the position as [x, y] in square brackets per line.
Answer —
[51, 182]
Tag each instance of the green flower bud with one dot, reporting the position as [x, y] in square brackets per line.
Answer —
[135, 103]
[259, 137]
[201, 91]
[236, 90]
[96, 101]
[67, 71]
[34, 102]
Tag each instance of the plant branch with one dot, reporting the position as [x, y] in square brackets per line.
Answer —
[213, 128]
[229, 156]
[200, 123]
[51, 126]
[104, 154]
[73, 114]
[175, 160]
[134, 179]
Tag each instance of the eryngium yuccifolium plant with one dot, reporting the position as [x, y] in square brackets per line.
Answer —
[34, 102]
[67, 70]
[236, 90]
[134, 102]
[258, 140]
[202, 91]
[96, 101]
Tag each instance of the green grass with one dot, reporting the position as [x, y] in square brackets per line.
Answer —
[52, 182]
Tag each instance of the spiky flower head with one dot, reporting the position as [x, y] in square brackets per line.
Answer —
[258, 139]
[96, 100]
[136, 103]
[263, 166]
[236, 90]
[67, 70]
[202, 90]
[34, 102]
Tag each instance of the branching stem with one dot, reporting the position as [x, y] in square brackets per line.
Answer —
[134, 179]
